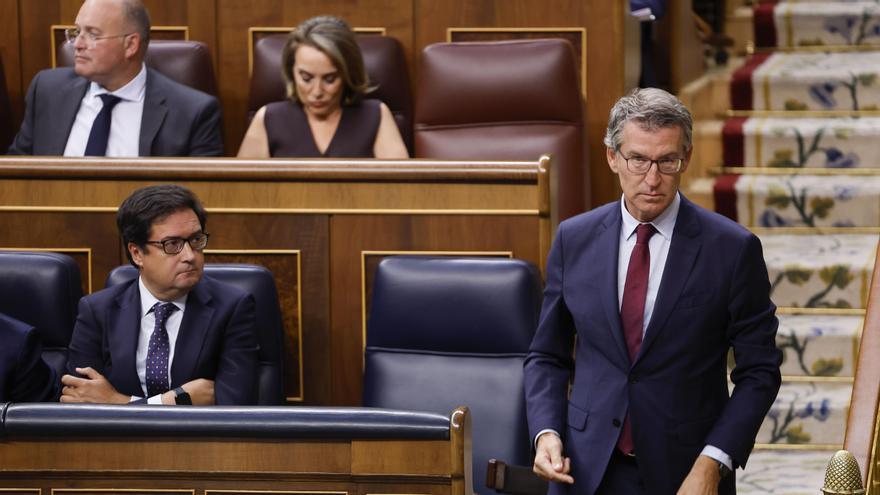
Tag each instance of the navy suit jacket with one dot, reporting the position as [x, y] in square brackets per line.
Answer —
[24, 376]
[714, 295]
[217, 340]
[177, 120]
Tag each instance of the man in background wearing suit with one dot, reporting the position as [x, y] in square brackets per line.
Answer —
[110, 103]
[172, 335]
[24, 376]
[656, 290]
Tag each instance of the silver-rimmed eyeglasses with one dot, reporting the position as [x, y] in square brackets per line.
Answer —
[174, 245]
[71, 34]
[641, 165]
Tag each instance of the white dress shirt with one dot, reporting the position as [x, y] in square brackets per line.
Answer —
[148, 321]
[125, 123]
[658, 246]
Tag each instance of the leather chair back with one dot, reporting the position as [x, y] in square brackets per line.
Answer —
[383, 58]
[270, 331]
[505, 100]
[7, 119]
[187, 62]
[42, 289]
[447, 332]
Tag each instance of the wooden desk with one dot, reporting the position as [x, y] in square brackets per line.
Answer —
[321, 226]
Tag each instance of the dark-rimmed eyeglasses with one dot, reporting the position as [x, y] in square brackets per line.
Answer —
[641, 165]
[71, 34]
[174, 245]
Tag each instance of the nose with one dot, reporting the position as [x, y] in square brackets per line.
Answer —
[653, 176]
[79, 43]
[187, 253]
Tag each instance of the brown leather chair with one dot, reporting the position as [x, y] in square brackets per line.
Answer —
[507, 100]
[7, 125]
[383, 57]
[187, 62]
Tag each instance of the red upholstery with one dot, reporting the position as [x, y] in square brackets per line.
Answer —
[509, 100]
[383, 57]
[187, 62]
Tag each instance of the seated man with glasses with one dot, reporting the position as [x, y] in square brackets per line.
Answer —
[171, 336]
[645, 296]
[110, 103]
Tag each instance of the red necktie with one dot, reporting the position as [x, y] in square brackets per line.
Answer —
[632, 310]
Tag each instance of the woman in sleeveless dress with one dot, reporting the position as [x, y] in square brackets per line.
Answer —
[326, 114]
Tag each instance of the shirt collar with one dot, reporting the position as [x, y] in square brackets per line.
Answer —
[664, 223]
[148, 300]
[133, 91]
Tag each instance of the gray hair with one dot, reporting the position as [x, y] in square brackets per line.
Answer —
[135, 14]
[652, 109]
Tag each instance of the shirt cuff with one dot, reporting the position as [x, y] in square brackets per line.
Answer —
[155, 400]
[548, 430]
[719, 455]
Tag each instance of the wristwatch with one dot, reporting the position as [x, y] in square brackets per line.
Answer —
[181, 398]
[723, 470]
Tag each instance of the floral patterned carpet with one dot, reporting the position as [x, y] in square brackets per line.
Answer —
[806, 179]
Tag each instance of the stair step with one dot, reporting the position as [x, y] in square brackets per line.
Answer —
[820, 271]
[819, 345]
[820, 81]
[804, 200]
[783, 472]
[840, 142]
[822, 23]
[807, 414]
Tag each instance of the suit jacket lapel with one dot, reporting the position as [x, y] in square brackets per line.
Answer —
[123, 340]
[153, 116]
[679, 263]
[607, 247]
[70, 98]
[192, 335]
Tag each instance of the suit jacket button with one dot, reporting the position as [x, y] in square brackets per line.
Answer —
[616, 422]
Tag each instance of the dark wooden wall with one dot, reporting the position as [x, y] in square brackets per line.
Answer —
[25, 45]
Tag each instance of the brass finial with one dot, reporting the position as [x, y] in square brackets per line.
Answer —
[842, 476]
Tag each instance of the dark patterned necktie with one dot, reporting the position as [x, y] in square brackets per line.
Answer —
[632, 311]
[100, 133]
[158, 351]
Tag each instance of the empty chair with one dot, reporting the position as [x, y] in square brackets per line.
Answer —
[506, 100]
[383, 58]
[186, 62]
[270, 331]
[42, 289]
[448, 332]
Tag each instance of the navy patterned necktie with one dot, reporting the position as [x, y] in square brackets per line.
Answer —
[158, 351]
[97, 144]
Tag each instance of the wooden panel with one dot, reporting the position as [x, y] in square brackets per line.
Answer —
[368, 457]
[10, 54]
[352, 235]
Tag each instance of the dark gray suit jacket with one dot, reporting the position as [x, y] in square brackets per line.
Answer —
[177, 120]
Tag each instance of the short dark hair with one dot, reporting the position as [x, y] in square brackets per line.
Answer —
[651, 109]
[147, 205]
[334, 38]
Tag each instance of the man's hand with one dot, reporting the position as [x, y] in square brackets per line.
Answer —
[200, 390]
[94, 389]
[703, 478]
[549, 463]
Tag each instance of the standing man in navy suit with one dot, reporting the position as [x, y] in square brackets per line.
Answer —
[172, 335]
[110, 103]
[644, 298]
[24, 376]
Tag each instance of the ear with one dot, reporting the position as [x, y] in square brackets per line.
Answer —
[687, 160]
[611, 156]
[136, 254]
[132, 45]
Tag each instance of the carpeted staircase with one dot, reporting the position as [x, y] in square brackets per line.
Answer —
[797, 160]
